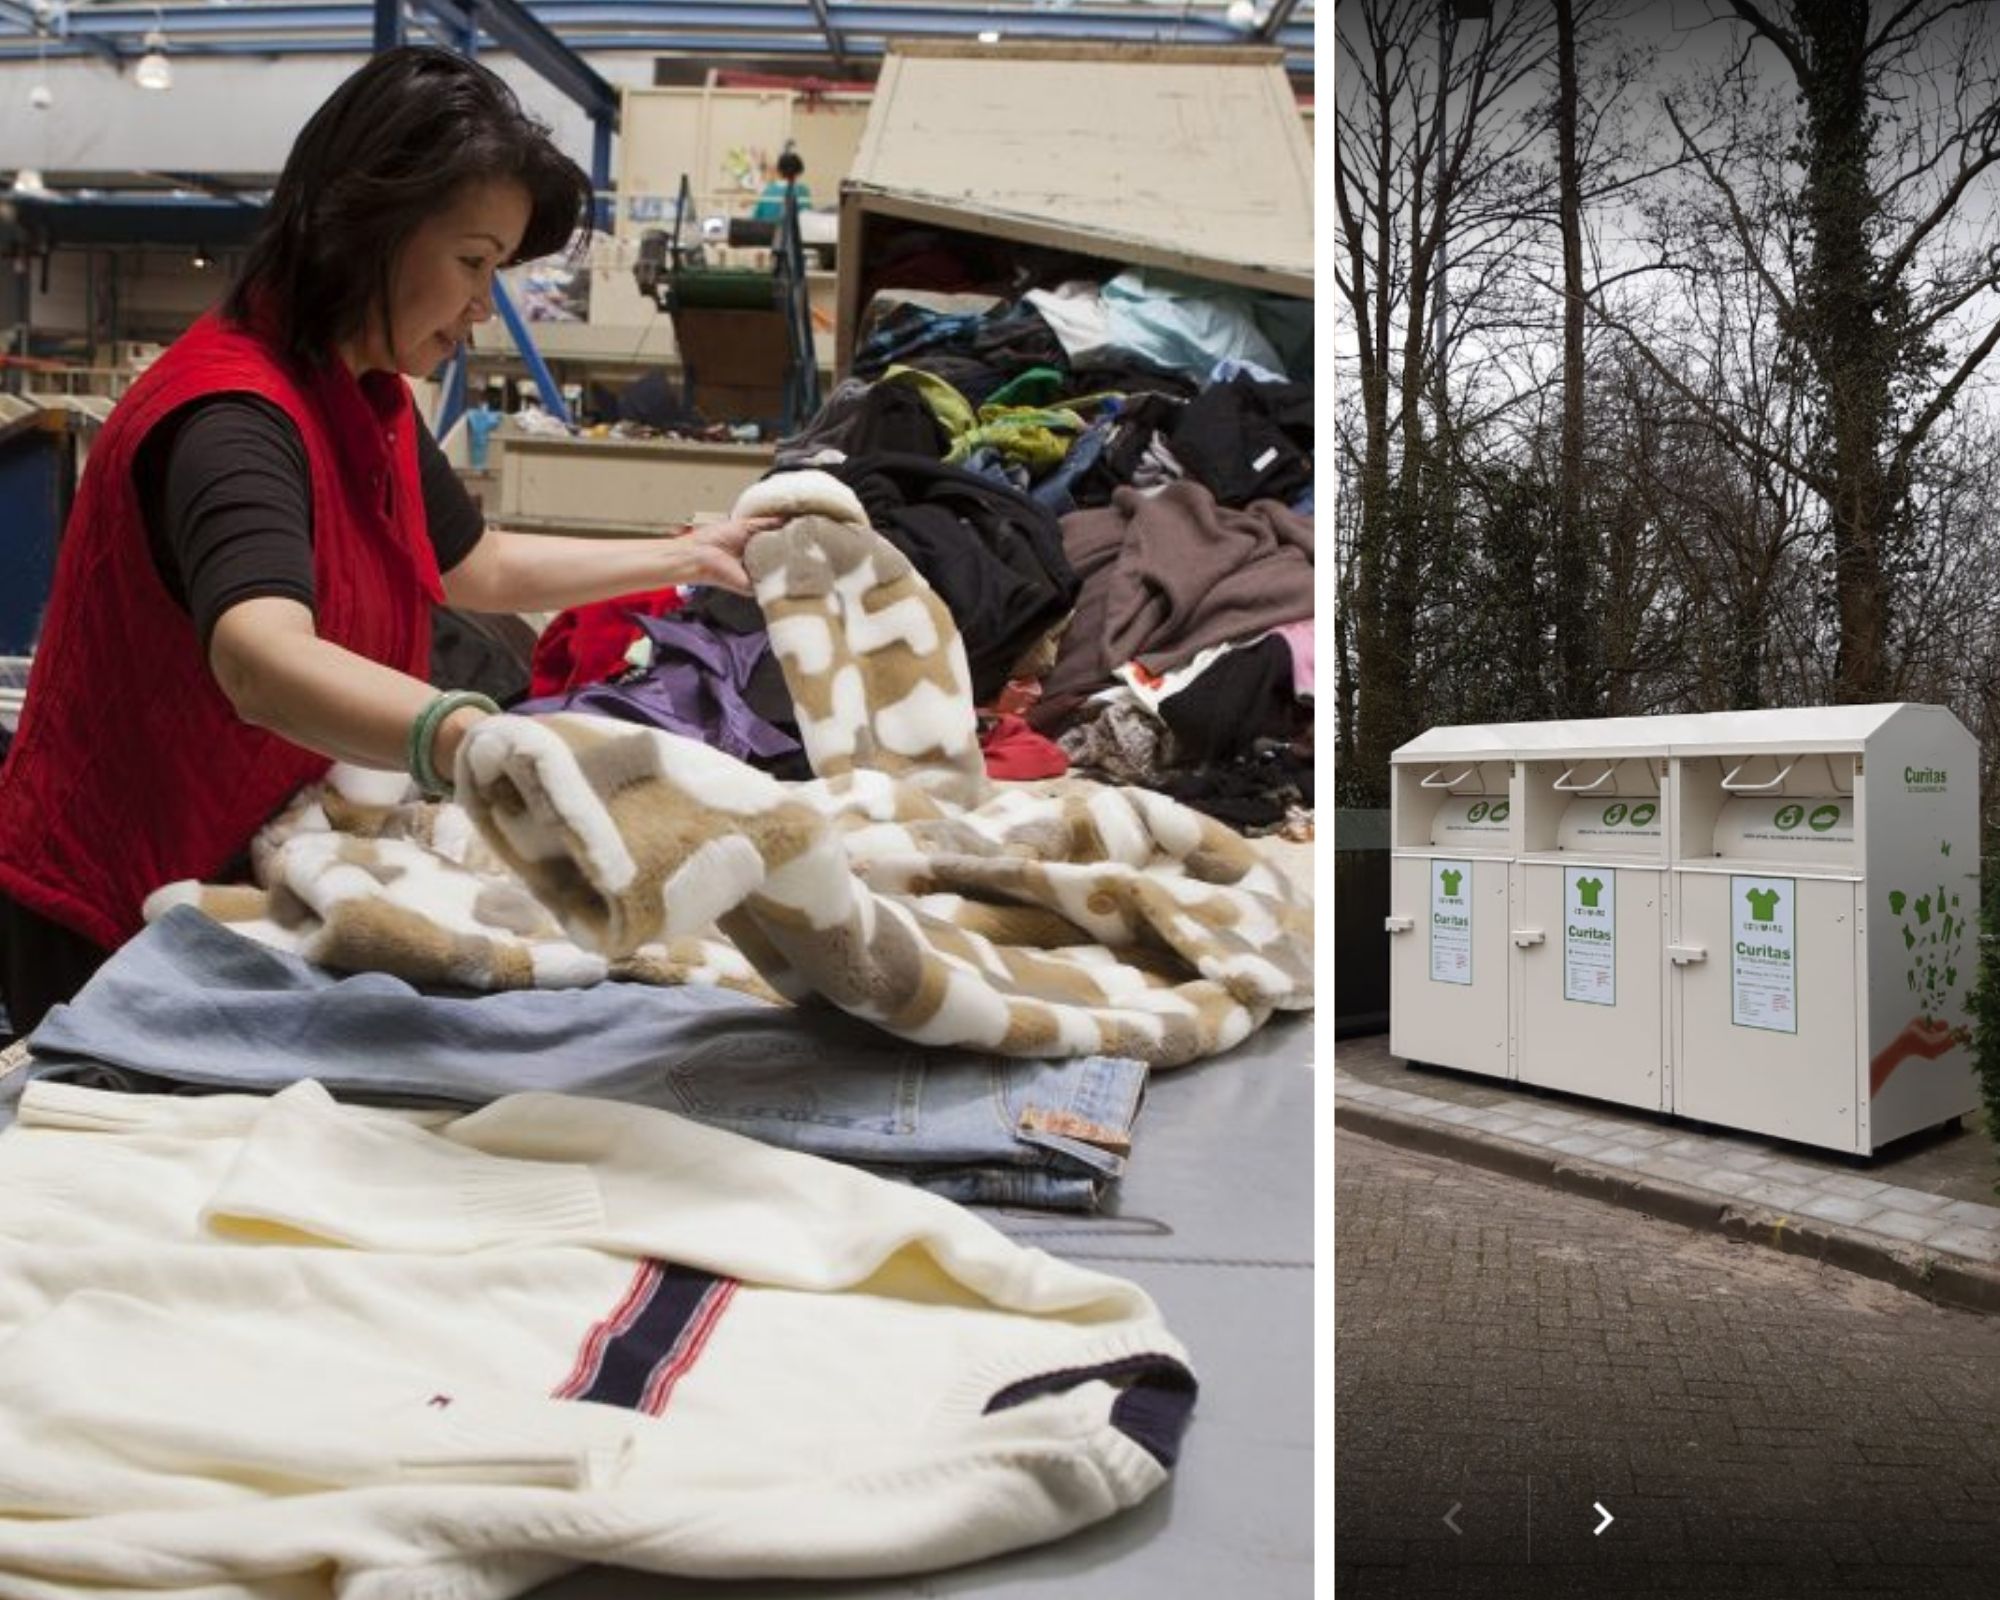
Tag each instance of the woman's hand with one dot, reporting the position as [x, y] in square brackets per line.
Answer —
[714, 553]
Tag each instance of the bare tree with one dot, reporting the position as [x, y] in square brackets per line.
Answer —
[1870, 226]
[1424, 164]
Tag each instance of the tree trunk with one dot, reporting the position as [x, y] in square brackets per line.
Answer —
[1575, 612]
[1389, 713]
[1840, 312]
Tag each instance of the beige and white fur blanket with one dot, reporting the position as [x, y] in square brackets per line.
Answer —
[899, 884]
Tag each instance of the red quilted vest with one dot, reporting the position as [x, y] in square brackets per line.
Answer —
[130, 768]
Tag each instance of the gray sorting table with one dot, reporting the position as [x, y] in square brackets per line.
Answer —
[1214, 1219]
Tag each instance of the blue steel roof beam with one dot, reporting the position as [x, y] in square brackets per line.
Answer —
[1144, 27]
[747, 16]
[1100, 22]
[1298, 63]
[281, 21]
[12, 11]
[266, 18]
[832, 35]
[684, 25]
[512, 26]
[446, 21]
[1280, 14]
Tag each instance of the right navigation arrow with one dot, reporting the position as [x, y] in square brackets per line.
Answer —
[1598, 1507]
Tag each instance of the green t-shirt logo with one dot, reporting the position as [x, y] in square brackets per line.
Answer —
[1589, 889]
[1451, 881]
[1763, 903]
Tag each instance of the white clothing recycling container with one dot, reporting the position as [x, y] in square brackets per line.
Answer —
[1767, 920]
[1590, 925]
[1452, 835]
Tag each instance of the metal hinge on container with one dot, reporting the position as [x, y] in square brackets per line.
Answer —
[1526, 938]
[1398, 924]
[1684, 955]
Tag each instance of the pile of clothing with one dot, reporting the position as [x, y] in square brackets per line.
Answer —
[574, 1172]
[1109, 485]
[897, 883]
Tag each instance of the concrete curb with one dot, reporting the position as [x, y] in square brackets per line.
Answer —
[1945, 1279]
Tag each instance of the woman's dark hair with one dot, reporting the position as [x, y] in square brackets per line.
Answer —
[392, 146]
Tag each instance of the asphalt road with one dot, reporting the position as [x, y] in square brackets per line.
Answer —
[1756, 1425]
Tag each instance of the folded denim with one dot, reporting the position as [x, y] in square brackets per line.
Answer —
[190, 1005]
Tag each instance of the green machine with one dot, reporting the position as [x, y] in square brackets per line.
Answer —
[745, 336]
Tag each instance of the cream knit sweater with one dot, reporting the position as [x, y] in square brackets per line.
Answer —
[287, 1348]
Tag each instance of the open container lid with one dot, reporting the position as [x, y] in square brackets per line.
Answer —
[1199, 160]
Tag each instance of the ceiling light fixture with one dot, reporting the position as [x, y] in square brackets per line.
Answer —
[153, 72]
[29, 181]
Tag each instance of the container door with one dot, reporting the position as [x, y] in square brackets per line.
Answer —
[1591, 990]
[1766, 1036]
[1449, 979]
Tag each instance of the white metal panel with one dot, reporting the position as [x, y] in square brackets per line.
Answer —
[1612, 825]
[226, 114]
[1806, 1085]
[1473, 822]
[1804, 728]
[1449, 1024]
[623, 486]
[1802, 834]
[1921, 838]
[1610, 1052]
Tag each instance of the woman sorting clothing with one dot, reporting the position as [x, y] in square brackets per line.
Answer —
[244, 589]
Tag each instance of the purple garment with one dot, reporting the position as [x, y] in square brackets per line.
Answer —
[696, 687]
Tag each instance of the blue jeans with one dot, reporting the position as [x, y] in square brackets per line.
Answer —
[190, 1005]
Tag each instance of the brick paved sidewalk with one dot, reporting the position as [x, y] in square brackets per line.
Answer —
[1929, 1201]
[1759, 1427]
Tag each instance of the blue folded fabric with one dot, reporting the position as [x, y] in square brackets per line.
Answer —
[188, 1004]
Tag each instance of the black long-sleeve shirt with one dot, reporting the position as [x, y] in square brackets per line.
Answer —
[227, 498]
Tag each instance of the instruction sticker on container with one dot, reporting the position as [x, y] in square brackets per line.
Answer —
[1590, 935]
[1763, 960]
[1451, 922]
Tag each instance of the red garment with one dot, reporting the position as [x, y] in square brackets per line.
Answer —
[1019, 697]
[131, 768]
[587, 644]
[1015, 751]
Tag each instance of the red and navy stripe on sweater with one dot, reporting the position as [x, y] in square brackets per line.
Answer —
[634, 1355]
